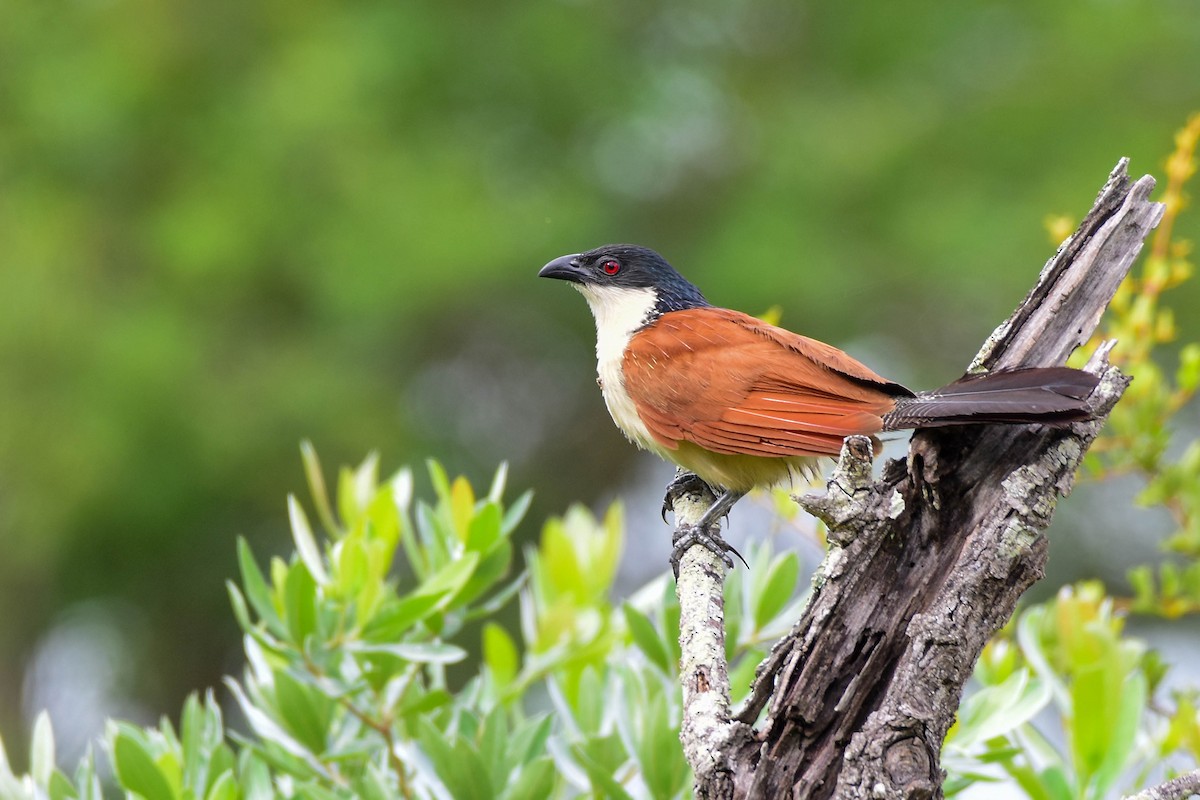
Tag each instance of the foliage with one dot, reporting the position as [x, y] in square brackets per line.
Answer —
[1069, 662]
[1138, 434]
[350, 689]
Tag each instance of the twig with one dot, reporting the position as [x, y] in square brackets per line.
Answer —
[707, 729]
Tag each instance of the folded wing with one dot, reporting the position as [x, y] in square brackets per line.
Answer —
[733, 384]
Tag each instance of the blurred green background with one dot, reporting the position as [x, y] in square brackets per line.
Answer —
[227, 226]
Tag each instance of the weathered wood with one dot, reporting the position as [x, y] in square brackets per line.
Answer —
[928, 562]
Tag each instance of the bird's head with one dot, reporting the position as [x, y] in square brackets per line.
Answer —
[626, 274]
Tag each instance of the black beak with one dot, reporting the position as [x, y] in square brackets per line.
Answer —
[565, 268]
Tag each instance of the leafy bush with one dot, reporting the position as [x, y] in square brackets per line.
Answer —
[349, 688]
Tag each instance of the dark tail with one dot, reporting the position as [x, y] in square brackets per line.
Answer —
[1035, 395]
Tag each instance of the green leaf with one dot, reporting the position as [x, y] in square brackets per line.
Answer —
[529, 740]
[315, 791]
[86, 780]
[419, 652]
[535, 780]
[351, 568]
[601, 775]
[1131, 707]
[256, 590]
[592, 700]
[493, 740]
[191, 735]
[201, 737]
[458, 766]
[1031, 782]
[516, 512]
[224, 787]
[997, 710]
[461, 507]
[398, 618]
[500, 599]
[240, 612]
[271, 732]
[663, 766]
[41, 751]
[1058, 787]
[451, 579]
[491, 569]
[401, 486]
[316, 487]
[500, 653]
[499, 480]
[417, 703]
[439, 479]
[366, 479]
[434, 594]
[61, 788]
[136, 770]
[777, 589]
[1188, 376]
[300, 601]
[435, 539]
[741, 675]
[306, 544]
[484, 530]
[646, 638]
[373, 784]
[1031, 645]
[254, 777]
[305, 712]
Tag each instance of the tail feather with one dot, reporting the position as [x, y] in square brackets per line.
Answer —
[1044, 395]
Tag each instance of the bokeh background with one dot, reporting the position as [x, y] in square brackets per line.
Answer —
[226, 226]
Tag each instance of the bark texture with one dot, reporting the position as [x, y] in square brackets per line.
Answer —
[926, 563]
[1186, 785]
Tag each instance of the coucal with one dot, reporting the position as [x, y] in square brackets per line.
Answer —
[743, 404]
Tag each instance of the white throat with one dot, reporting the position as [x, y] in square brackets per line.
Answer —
[619, 311]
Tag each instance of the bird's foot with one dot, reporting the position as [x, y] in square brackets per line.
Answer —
[709, 538]
[683, 483]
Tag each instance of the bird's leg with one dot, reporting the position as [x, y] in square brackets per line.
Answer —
[720, 508]
[707, 530]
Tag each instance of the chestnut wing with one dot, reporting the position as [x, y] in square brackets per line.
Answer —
[733, 384]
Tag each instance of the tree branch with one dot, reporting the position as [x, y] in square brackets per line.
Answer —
[707, 732]
[1186, 785]
[925, 563]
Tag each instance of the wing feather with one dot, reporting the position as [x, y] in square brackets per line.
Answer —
[733, 384]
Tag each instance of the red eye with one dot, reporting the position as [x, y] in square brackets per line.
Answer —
[611, 267]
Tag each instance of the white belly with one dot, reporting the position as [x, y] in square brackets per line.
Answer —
[621, 407]
[619, 312]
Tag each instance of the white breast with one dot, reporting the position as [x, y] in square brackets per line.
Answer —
[619, 311]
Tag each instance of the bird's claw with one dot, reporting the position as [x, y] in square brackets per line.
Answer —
[682, 483]
[688, 535]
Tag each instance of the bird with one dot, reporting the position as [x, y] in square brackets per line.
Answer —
[743, 404]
